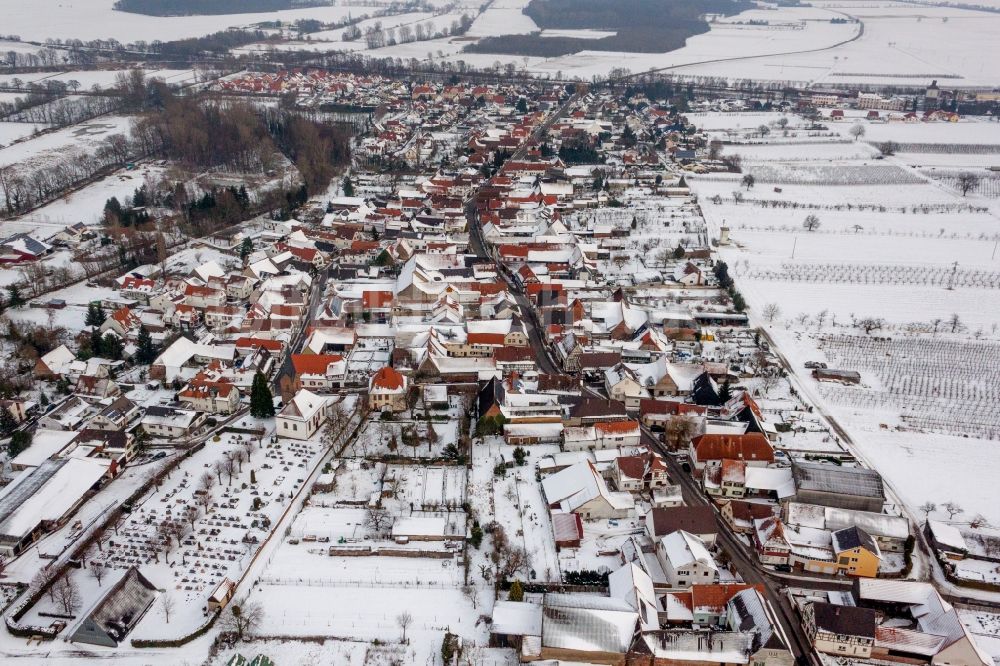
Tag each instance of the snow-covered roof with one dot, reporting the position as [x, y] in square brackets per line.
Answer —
[517, 618]
[47, 494]
[682, 548]
[947, 535]
[45, 444]
[778, 479]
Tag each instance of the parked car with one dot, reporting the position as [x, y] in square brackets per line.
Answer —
[815, 365]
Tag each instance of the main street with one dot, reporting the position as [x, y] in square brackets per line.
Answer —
[316, 291]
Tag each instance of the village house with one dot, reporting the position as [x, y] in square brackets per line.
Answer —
[387, 390]
[212, 396]
[840, 630]
[685, 560]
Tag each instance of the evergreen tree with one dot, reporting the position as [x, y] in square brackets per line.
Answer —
[522, 105]
[145, 349]
[7, 421]
[246, 248]
[111, 347]
[95, 315]
[261, 400]
[19, 441]
[725, 393]
[516, 592]
[347, 186]
[14, 298]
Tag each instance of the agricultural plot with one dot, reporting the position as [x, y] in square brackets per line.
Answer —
[840, 174]
[899, 281]
[938, 384]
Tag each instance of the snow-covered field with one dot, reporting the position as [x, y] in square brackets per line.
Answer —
[85, 205]
[923, 415]
[11, 132]
[53, 145]
[95, 19]
[503, 17]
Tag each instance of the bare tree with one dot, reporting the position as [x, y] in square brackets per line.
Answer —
[869, 324]
[67, 594]
[967, 181]
[378, 521]
[512, 560]
[191, 515]
[770, 311]
[678, 431]
[242, 618]
[165, 535]
[167, 604]
[857, 131]
[811, 223]
[749, 181]
[229, 466]
[219, 467]
[927, 508]
[954, 323]
[953, 509]
[979, 520]
[888, 148]
[404, 620]
[97, 572]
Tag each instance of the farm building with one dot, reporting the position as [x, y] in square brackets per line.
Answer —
[854, 488]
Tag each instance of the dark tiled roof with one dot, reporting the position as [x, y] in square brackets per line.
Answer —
[846, 620]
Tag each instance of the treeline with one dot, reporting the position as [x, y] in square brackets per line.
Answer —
[216, 43]
[210, 7]
[61, 112]
[642, 26]
[23, 189]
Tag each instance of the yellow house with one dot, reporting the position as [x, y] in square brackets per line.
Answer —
[856, 552]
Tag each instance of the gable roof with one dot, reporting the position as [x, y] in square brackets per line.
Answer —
[752, 446]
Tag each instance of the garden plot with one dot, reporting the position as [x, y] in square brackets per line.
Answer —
[307, 563]
[369, 613]
[514, 502]
[405, 437]
[427, 488]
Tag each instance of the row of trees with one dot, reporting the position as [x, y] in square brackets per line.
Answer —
[25, 188]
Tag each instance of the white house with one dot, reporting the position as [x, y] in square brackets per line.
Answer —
[686, 560]
[303, 415]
